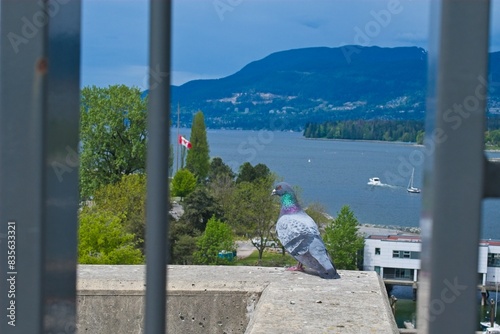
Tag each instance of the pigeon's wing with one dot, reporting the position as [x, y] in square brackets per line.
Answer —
[296, 232]
[300, 236]
[318, 259]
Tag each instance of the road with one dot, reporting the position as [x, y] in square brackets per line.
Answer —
[244, 248]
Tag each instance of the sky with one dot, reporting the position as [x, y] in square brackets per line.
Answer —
[216, 38]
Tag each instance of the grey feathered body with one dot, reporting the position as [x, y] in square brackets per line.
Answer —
[300, 236]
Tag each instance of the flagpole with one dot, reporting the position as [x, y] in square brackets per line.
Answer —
[178, 125]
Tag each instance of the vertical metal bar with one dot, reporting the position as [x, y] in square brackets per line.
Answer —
[157, 166]
[61, 196]
[453, 179]
[21, 107]
[39, 108]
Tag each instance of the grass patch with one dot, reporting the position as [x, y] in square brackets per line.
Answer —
[269, 259]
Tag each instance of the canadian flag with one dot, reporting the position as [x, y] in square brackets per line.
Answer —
[184, 142]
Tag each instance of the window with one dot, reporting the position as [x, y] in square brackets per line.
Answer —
[377, 251]
[403, 273]
[407, 254]
[493, 260]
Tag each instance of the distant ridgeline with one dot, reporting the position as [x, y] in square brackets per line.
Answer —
[388, 130]
[286, 89]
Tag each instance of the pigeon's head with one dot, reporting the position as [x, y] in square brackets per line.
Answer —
[282, 188]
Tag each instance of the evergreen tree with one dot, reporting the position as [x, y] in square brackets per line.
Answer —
[198, 159]
[342, 240]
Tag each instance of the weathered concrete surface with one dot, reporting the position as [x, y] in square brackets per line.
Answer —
[235, 299]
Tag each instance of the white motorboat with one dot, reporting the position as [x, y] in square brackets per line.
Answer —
[374, 181]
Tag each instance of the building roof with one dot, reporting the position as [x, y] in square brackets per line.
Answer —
[417, 238]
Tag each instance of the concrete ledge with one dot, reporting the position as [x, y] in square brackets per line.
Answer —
[235, 299]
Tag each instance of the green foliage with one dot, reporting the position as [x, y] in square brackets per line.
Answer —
[199, 207]
[342, 240]
[219, 169]
[182, 237]
[198, 159]
[492, 138]
[217, 237]
[406, 131]
[183, 249]
[249, 173]
[252, 210]
[183, 183]
[102, 240]
[126, 198]
[113, 135]
[268, 259]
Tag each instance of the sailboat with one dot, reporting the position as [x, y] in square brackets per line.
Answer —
[411, 188]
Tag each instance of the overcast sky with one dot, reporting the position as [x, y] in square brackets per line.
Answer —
[215, 38]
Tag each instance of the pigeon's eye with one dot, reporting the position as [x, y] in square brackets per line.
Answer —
[278, 188]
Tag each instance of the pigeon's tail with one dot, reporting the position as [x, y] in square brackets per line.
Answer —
[324, 267]
[318, 259]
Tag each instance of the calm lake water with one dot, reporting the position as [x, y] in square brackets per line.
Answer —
[335, 173]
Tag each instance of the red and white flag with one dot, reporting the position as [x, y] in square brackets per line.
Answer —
[184, 142]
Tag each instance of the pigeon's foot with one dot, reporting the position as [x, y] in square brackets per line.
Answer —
[298, 267]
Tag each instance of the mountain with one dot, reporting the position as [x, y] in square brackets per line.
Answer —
[287, 89]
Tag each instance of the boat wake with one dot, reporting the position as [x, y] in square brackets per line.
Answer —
[384, 185]
[375, 182]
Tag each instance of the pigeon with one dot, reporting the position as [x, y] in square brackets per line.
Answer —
[300, 236]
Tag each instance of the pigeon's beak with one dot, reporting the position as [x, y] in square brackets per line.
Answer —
[273, 192]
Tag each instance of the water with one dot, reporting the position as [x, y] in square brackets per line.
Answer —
[335, 173]
[406, 307]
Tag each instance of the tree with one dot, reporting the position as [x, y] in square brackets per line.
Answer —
[253, 211]
[198, 159]
[246, 173]
[219, 169]
[249, 173]
[103, 240]
[126, 198]
[342, 240]
[199, 207]
[113, 135]
[183, 249]
[183, 183]
[217, 237]
[221, 182]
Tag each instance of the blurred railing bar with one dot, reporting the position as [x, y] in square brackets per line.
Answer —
[455, 171]
[157, 204]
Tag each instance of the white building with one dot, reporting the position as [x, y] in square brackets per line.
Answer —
[398, 257]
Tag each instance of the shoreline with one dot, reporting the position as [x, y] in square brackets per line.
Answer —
[372, 229]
